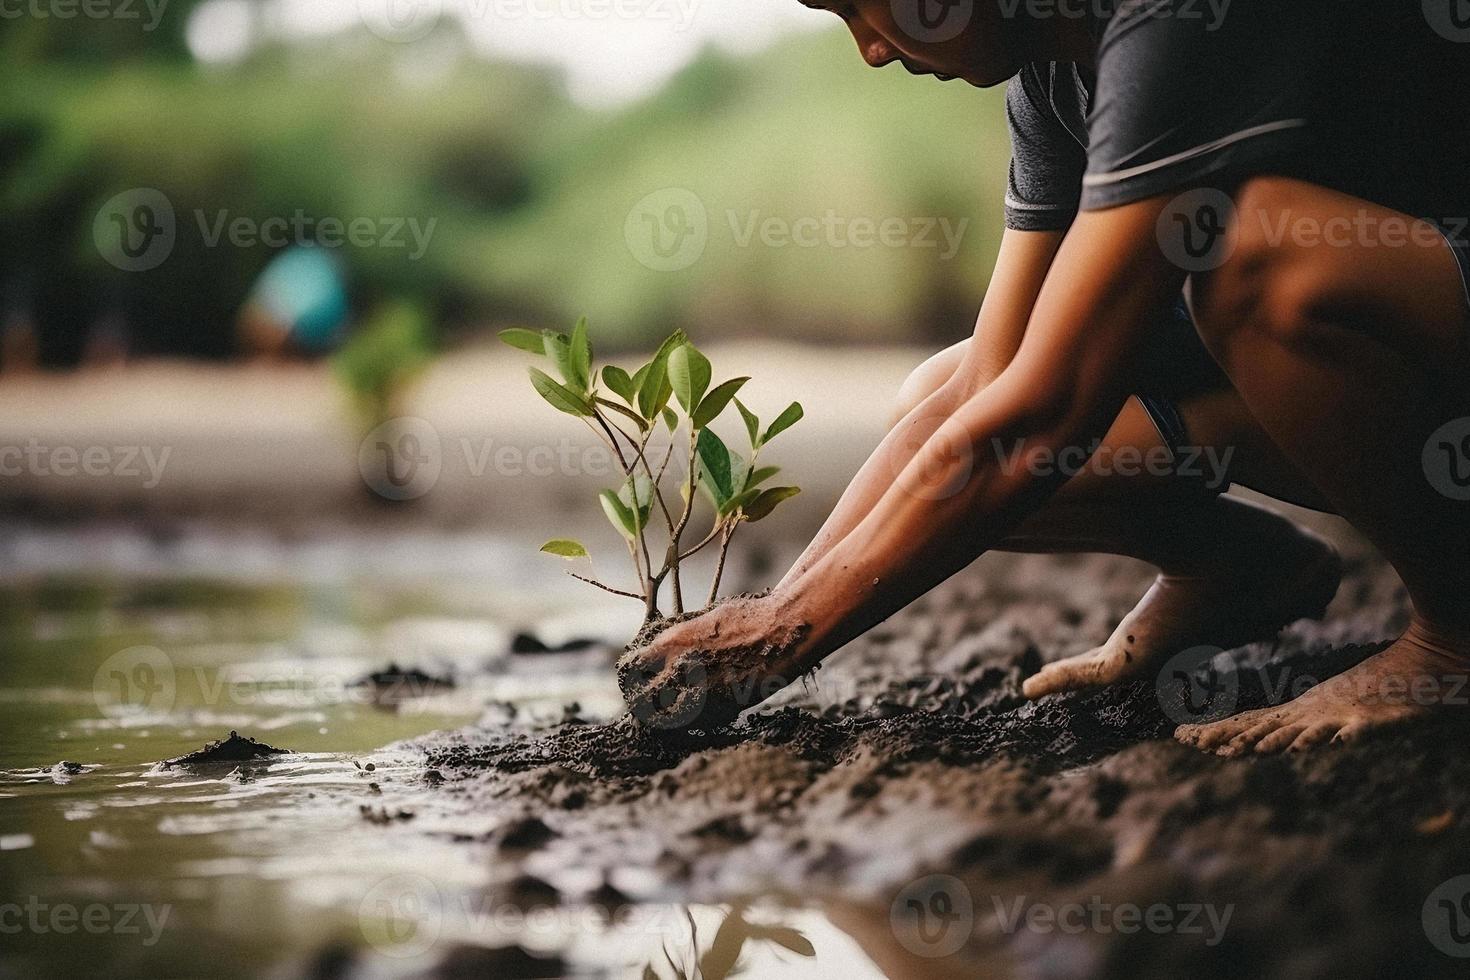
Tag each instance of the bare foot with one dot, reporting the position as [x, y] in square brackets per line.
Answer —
[702, 672]
[1423, 670]
[1226, 610]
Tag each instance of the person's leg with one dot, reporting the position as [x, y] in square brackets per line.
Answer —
[1352, 355]
[1230, 572]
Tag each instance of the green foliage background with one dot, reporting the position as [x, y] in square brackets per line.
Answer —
[529, 191]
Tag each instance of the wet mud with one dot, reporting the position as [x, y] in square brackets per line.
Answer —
[912, 754]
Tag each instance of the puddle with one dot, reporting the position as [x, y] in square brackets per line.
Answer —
[342, 857]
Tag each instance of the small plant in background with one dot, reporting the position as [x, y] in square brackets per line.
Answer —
[382, 359]
[668, 400]
[377, 366]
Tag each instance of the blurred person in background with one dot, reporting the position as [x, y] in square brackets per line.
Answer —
[297, 307]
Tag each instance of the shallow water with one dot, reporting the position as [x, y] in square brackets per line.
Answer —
[121, 649]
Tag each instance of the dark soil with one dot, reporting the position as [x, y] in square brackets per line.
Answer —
[706, 689]
[530, 643]
[912, 753]
[234, 748]
[401, 683]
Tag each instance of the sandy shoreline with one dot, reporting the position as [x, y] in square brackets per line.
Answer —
[280, 446]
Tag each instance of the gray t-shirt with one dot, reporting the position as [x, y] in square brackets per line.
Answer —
[1181, 97]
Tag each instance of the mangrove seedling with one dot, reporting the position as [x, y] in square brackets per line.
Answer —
[657, 416]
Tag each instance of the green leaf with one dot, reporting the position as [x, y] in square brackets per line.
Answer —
[714, 403]
[738, 501]
[559, 349]
[721, 470]
[520, 338]
[671, 419]
[636, 495]
[618, 514]
[759, 476]
[762, 506]
[651, 388]
[581, 352]
[619, 383]
[562, 398]
[654, 393]
[637, 419]
[565, 548]
[652, 380]
[752, 423]
[689, 371]
[784, 421]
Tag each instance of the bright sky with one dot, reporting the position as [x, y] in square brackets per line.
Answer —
[612, 50]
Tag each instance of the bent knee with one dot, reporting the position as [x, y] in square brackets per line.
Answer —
[928, 378]
[1271, 281]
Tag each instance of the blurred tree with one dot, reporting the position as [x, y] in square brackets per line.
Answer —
[521, 197]
[133, 31]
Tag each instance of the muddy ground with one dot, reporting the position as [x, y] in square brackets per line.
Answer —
[914, 756]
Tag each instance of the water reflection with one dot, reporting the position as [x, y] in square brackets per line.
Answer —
[721, 955]
[343, 858]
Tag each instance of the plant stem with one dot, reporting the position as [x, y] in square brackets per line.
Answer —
[714, 533]
[641, 560]
[683, 521]
[727, 532]
[671, 555]
[605, 588]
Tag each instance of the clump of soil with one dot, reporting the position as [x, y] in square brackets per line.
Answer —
[530, 643]
[234, 748]
[399, 684]
[704, 690]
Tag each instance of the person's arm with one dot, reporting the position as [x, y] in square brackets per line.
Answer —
[956, 496]
[1020, 269]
